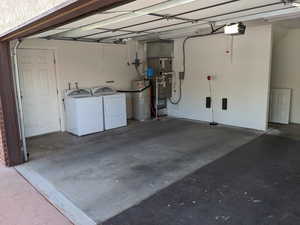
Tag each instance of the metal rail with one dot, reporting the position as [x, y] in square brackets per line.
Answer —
[210, 17]
[19, 100]
[151, 31]
[154, 20]
[216, 21]
[86, 40]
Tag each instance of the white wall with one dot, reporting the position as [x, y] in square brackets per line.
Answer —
[286, 66]
[89, 64]
[242, 76]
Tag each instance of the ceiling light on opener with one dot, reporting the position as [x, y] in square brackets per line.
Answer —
[235, 29]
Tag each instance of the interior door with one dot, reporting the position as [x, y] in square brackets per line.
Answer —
[39, 91]
[280, 103]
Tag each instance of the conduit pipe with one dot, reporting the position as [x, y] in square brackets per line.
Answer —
[213, 32]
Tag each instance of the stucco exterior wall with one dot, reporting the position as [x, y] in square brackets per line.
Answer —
[17, 12]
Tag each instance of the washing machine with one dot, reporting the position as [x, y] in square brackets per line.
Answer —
[83, 112]
[114, 107]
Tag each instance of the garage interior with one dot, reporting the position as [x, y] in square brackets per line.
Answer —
[165, 112]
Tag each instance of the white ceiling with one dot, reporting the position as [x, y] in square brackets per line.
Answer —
[106, 27]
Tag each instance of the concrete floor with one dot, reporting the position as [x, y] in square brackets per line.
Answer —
[107, 173]
[21, 204]
[257, 184]
[291, 131]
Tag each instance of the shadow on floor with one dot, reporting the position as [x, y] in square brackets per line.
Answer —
[107, 173]
[257, 184]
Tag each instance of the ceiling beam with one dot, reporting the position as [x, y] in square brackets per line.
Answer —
[106, 31]
[89, 40]
[205, 19]
[61, 16]
[131, 15]
[159, 19]
[169, 17]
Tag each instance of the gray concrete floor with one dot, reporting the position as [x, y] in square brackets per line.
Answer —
[256, 184]
[106, 173]
[289, 131]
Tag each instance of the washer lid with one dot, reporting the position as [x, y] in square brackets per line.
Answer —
[79, 93]
[103, 90]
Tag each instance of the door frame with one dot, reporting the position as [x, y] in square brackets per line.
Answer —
[53, 51]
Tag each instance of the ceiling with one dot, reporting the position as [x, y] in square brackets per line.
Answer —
[144, 18]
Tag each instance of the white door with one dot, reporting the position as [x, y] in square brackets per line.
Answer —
[39, 91]
[114, 111]
[280, 103]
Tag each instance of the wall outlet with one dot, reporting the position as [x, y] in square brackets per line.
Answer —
[208, 102]
[224, 103]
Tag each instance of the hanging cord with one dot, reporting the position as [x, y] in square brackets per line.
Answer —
[180, 80]
[137, 64]
[213, 32]
[180, 94]
[138, 71]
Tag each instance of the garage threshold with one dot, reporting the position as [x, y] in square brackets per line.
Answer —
[93, 178]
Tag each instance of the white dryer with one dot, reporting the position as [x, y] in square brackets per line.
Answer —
[114, 107]
[83, 112]
[115, 114]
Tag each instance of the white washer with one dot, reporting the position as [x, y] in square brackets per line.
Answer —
[83, 112]
[114, 107]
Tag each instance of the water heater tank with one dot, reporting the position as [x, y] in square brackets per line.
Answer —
[141, 100]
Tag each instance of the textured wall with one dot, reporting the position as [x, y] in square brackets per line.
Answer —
[89, 64]
[286, 67]
[241, 75]
[16, 12]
